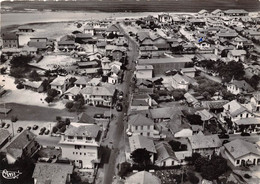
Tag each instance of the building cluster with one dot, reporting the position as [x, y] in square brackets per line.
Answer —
[165, 107]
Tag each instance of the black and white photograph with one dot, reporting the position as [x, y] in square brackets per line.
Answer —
[130, 92]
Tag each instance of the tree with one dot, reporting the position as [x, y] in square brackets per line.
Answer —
[175, 145]
[178, 94]
[45, 84]
[254, 81]
[79, 101]
[199, 163]
[123, 169]
[52, 93]
[193, 178]
[55, 130]
[232, 69]
[20, 61]
[141, 157]
[34, 76]
[69, 105]
[14, 119]
[17, 72]
[3, 70]
[19, 86]
[194, 119]
[49, 99]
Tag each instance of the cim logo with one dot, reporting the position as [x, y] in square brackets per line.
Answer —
[11, 174]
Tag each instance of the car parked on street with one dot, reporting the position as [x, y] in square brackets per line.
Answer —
[20, 129]
[223, 136]
[7, 125]
[99, 116]
[28, 128]
[2, 125]
[245, 134]
[47, 132]
[35, 127]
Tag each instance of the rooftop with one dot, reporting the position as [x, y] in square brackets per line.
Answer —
[83, 130]
[4, 134]
[139, 119]
[140, 142]
[164, 151]
[164, 60]
[238, 148]
[50, 173]
[142, 177]
[204, 141]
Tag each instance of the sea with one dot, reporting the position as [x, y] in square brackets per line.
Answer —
[23, 12]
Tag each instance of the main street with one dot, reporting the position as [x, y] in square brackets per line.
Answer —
[116, 131]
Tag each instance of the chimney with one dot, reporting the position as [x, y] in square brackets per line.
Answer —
[228, 107]
[232, 149]
[28, 137]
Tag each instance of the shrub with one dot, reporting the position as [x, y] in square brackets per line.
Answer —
[63, 128]
[55, 129]
[58, 118]
[14, 118]
[193, 178]
[19, 86]
[247, 176]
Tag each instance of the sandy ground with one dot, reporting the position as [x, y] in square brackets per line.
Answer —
[22, 96]
[52, 61]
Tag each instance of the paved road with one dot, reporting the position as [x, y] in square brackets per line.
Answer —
[116, 131]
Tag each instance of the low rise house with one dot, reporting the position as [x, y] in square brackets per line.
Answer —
[98, 95]
[34, 86]
[203, 13]
[242, 153]
[217, 13]
[165, 18]
[141, 125]
[142, 142]
[80, 143]
[235, 111]
[60, 84]
[5, 136]
[180, 82]
[66, 45]
[239, 87]
[255, 100]
[249, 125]
[205, 144]
[113, 29]
[236, 12]
[52, 173]
[190, 72]
[22, 145]
[41, 43]
[72, 92]
[144, 71]
[10, 40]
[81, 82]
[88, 29]
[236, 55]
[142, 177]
[25, 29]
[165, 113]
[203, 45]
[191, 100]
[161, 65]
[165, 156]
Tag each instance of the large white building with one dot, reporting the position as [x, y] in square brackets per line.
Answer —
[144, 71]
[80, 143]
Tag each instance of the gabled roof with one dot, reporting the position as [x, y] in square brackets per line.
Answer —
[9, 36]
[113, 28]
[257, 96]
[248, 121]
[4, 134]
[33, 84]
[237, 52]
[231, 11]
[50, 173]
[218, 104]
[140, 120]
[82, 80]
[140, 142]
[201, 141]
[216, 11]
[88, 27]
[144, 67]
[99, 90]
[85, 118]
[74, 90]
[204, 114]
[142, 177]
[164, 151]
[83, 130]
[165, 112]
[202, 11]
[19, 142]
[180, 79]
[242, 85]
[234, 108]
[239, 148]
[58, 81]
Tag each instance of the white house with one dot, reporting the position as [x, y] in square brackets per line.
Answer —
[186, 132]
[236, 55]
[255, 100]
[60, 84]
[242, 153]
[71, 93]
[142, 177]
[239, 87]
[140, 125]
[80, 143]
[89, 30]
[144, 71]
[190, 72]
[98, 95]
[180, 82]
